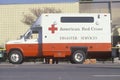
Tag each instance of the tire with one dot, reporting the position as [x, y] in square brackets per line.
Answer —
[15, 57]
[78, 57]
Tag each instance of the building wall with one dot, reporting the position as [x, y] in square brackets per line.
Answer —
[11, 26]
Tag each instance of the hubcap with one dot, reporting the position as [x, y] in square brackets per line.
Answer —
[79, 57]
[14, 57]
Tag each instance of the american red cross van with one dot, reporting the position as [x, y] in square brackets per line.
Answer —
[73, 36]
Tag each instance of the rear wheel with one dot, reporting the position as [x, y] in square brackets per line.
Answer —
[78, 57]
[15, 57]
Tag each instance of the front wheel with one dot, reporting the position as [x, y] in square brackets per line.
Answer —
[78, 57]
[15, 57]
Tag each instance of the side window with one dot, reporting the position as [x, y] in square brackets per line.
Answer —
[35, 32]
[35, 35]
[77, 19]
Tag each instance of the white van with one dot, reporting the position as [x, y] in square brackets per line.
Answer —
[73, 36]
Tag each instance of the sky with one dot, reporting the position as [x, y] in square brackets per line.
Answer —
[39, 1]
[33, 1]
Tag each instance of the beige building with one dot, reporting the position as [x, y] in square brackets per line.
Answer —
[11, 26]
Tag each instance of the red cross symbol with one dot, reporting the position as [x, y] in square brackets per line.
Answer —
[53, 28]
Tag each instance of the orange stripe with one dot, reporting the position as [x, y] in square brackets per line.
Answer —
[66, 46]
[57, 49]
[62, 50]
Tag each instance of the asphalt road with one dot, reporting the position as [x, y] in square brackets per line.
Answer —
[60, 72]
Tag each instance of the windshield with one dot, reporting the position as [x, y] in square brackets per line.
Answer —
[34, 29]
[27, 35]
[22, 36]
[32, 33]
